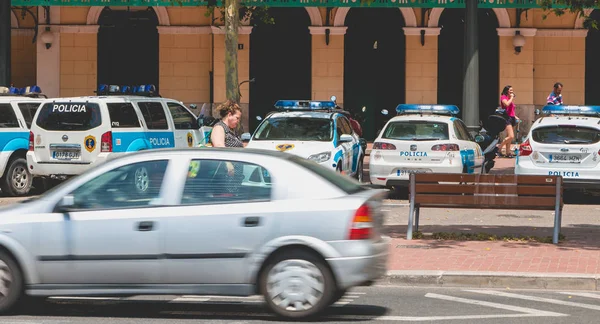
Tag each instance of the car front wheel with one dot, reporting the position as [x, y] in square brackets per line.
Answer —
[11, 284]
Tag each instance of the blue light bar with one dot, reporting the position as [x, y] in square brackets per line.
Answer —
[571, 110]
[144, 89]
[304, 105]
[427, 109]
[29, 91]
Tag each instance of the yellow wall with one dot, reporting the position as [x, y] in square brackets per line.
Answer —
[78, 64]
[73, 15]
[517, 69]
[328, 67]
[23, 60]
[188, 16]
[421, 69]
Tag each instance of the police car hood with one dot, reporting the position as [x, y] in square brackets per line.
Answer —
[301, 148]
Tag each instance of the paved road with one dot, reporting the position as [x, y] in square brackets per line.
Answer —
[363, 305]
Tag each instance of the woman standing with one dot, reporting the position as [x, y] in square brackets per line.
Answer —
[222, 134]
[507, 101]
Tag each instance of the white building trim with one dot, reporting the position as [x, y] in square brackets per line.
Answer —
[332, 30]
[410, 19]
[220, 30]
[501, 15]
[14, 22]
[579, 20]
[562, 32]
[161, 13]
[315, 16]
[416, 31]
[512, 31]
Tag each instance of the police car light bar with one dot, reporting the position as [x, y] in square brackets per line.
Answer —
[148, 90]
[30, 91]
[427, 109]
[571, 110]
[304, 105]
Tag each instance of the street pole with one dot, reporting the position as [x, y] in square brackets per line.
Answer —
[5, 43]
[471, 67]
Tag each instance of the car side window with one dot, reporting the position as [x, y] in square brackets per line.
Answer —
[460, 134]
[339, 127]
[122, 115]
[465, 131]
[28, 110]
[216, 181]
[154, 115]
[182, 118]
[129, 186]
[8, 118]
[346, 126]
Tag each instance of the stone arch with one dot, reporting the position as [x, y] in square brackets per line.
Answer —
[315, 16]
[410, 19]
[501, 15]
[14, 22]
[161, 13]
[579, 20]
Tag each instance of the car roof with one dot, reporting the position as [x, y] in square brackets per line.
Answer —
[125, 98]
[302, 114]
[20, 98]
[569, 120]
[428, 117]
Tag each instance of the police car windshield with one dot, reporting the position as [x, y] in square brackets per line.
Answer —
[295, 128]
[416, 130]
[566, 134]
[76, 116]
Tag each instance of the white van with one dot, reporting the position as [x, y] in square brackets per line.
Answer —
[70, 135]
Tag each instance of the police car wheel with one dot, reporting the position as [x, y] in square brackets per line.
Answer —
[17, 179]
[359, 170]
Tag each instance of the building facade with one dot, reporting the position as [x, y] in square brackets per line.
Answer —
[374, 58]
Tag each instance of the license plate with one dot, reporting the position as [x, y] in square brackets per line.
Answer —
[66, 155]
[564, 158]
[407, 172]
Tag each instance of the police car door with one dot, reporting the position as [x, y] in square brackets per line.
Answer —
[354, 148]
[343, 149]
[187, 133]
[158, 132]
[469, 149]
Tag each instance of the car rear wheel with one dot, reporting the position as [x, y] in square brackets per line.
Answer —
[11, 283]
[17, 179]
[359, 170]
[297, 284]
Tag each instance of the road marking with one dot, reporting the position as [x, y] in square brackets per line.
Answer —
[581, 294]
[533, 298]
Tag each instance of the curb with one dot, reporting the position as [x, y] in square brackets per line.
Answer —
[517, 280]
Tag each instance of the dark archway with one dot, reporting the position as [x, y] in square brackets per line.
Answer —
[592, 64]
[280, 60]
[374, 64]
[128, 47]
[451, 56]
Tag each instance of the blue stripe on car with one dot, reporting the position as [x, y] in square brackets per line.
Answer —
[12, 141]
[135, 141]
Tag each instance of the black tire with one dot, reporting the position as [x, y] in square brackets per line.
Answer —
[337, 296]
[308, 261]
[338, 168]
[359, 170]
[17, 179]
[15, 283]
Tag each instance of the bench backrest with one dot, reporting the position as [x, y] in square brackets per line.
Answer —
[495, 191]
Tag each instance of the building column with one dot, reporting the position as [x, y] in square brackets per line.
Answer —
[327, 63]
[421, 64]
[516, 69]
[48, 69]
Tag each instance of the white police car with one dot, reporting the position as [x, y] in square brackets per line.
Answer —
[422, 139]
[564, 141]
[315, 130]
[17, 108]
[71, 135]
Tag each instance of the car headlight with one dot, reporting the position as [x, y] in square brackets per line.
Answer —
[321, 157]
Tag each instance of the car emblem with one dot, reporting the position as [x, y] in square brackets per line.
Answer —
[284, 147]
[38, 140]
[413, 147]
[65, 138]
[564, 150]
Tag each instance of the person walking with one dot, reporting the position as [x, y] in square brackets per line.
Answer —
[507, 102]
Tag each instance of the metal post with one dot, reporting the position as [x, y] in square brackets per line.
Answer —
[409, 232]
[471, 67]
[5, 42]
[557, 211]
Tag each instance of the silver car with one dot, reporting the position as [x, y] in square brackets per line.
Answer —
[206, 222]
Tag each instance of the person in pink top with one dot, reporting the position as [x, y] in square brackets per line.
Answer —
[507, 102]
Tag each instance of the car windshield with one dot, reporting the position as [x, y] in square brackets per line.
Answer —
[416, 130]
[295, 128]
[566, 134]
[76, 116]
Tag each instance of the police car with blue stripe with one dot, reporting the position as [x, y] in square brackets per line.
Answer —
[422, 139]
[564, 141]
[71, 135]
[316, 130]
[17, 108]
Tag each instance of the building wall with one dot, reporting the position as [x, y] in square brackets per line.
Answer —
[23, 51]
[421, 67]
[78, 63]
[327, 65]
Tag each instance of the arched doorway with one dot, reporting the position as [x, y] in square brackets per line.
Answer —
[280, 60]
[592, 64]
[128, 47]
[374, 64]
[451, 56]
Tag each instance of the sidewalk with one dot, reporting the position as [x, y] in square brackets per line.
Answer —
[572, 264]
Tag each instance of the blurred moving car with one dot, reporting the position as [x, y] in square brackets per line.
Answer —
[211, 221]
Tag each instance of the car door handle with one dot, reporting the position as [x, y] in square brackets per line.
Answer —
[251, 221]
[145, 226]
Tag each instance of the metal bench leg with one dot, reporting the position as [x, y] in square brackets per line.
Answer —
[411, 213]
[418, 209]
[557, 211]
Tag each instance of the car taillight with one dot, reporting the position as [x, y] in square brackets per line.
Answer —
[383, 146]
[445, 147]
[525, 148]
[106, 142]
[362, 224]
[31, 141]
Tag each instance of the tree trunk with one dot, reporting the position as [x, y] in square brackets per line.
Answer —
[232, 21]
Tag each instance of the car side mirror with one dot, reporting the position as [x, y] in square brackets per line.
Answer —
[346, 138]
[384, 112]
[66, 204]
[246, 137]
[479, 138]
[193, 106]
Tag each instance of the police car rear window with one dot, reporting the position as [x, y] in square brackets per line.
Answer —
[295, 128]
[566, 134]
[75, 116]
[416, 130]
[8, 119]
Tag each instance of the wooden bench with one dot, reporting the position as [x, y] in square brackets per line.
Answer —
[485, 191]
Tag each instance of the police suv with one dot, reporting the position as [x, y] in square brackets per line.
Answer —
[71, 135]
[423, 139]
[315, 130]
[17, 108]
[564, 141]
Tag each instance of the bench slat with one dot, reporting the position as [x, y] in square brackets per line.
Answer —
[488, 178]
[428, 188]
[493, 202]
